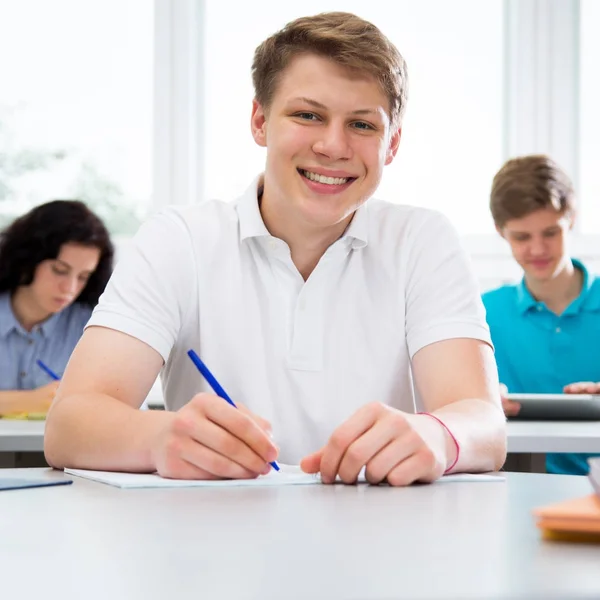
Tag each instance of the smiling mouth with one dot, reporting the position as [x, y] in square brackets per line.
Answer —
[324, 179]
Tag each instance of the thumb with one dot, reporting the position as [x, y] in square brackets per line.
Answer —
[312, 462]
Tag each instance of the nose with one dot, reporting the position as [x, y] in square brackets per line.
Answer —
[69, 285]
[333, 142]
[538, 246]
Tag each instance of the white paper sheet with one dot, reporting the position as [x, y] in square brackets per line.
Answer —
[289, 475]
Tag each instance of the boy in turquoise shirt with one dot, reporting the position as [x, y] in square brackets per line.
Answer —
[546, 328]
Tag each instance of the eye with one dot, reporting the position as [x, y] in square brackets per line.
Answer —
[307, 116]
[84, 278]
[363, 125]
[550, 233]
[57, 271]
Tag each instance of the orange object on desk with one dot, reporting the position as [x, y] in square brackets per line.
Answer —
[572, 520]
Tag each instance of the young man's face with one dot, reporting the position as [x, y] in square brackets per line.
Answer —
[539, 242]
[328, 137]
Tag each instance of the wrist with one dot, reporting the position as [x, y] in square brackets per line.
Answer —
[451, 446]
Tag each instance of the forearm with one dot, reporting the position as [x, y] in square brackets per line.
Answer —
[13, 401]
[96, 431]
[480, 429]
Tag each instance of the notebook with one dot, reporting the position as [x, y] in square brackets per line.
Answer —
[12, 483]
[289, 475]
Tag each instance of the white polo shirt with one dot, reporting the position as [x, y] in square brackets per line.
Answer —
[303, 354]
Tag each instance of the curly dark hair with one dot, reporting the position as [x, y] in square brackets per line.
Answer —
[39, 235]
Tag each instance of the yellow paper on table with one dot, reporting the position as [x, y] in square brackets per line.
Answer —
[25, 416]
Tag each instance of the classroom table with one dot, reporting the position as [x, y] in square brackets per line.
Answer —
[447, 540]
[532, 437]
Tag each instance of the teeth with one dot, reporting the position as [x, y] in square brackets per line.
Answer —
[323, 179]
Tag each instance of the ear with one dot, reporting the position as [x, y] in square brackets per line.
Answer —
[571, 218]
[393, 146]
[258, 124]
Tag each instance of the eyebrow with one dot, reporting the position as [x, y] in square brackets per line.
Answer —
[68, 266]
[546, 230]
[316, 104]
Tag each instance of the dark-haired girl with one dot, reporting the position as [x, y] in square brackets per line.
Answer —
[54, 263]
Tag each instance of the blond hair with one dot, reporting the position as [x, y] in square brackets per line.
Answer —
[344, 38]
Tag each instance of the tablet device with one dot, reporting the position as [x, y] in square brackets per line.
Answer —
[558, 407]
[594, 474]
[12, 483]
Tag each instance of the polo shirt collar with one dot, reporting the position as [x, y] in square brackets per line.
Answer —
[252, 224]
[585, 301]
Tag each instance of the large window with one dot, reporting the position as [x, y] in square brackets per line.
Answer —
[76, 106]
[589, 118]
[453, 133]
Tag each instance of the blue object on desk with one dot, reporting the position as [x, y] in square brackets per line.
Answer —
[48, 370]
[17, 484]
[216, 386]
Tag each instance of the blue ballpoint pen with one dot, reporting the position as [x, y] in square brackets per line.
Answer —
[48, 370]
[216, 386]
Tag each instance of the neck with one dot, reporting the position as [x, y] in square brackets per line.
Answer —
[557, 293]
[307, 242]
[26, 311]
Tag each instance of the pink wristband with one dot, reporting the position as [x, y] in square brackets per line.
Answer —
[450, 434]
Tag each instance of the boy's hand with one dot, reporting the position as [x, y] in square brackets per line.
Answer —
[210, 439]
[394, 446]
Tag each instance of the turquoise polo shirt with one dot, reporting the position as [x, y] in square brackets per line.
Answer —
[540, 352]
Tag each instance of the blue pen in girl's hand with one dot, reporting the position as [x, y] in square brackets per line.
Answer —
[48, 370]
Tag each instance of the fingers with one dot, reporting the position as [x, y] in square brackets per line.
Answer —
[510, 407]
[238, 424]
[397, 451]
[582, 387]
[263, 423]
[371, 443]
[411, 470]
[217, 447]
[216, 465]
[312, 462]
[208, 439]
[343, 437]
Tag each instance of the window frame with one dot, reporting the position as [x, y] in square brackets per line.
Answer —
[541, 83]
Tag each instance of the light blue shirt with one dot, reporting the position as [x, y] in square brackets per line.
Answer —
[52, 342]
[540, 352]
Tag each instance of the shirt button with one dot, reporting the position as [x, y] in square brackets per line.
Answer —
[30, 342]
[539, 308]
[22, 374]
[557, 330]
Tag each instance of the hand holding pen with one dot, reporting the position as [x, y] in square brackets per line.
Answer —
[208, 439]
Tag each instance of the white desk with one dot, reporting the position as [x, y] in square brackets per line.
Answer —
[523, 436]
[553, 436]
[21, 436]
[454, 540]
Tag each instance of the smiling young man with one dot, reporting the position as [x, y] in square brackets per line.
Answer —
[546, 328]
[315, 306]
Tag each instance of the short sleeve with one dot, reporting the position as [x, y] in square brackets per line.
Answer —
[442, 294]
[153, 284]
